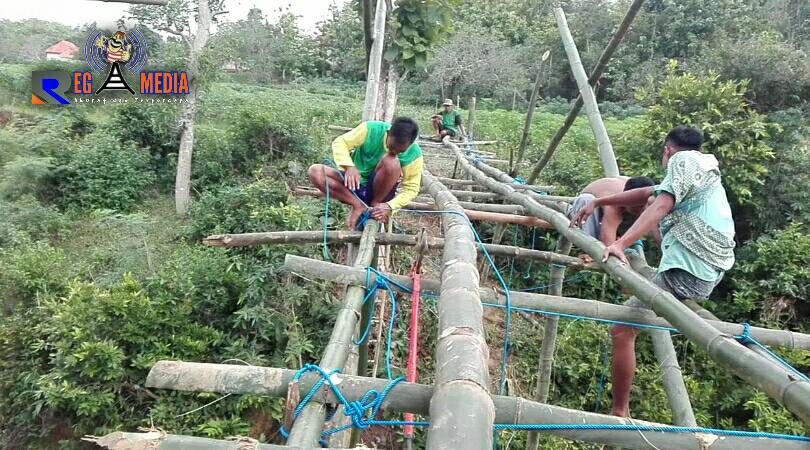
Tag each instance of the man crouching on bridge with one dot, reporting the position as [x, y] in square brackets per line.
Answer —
[371, 158]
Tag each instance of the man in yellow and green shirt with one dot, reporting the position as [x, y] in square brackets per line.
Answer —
[371, 158]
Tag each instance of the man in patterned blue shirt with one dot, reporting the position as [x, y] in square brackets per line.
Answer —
[694, 217]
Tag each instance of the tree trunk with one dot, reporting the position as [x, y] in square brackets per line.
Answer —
[375, 62]
[182, 187]
[603, 144]
[367, 36]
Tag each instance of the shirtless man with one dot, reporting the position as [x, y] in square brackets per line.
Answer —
[605, 221]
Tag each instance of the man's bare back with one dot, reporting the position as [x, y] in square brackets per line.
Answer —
[606, 186]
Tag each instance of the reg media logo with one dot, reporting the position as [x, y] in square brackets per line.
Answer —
[111, 58]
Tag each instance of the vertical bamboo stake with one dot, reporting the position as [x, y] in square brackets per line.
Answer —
[307, 428]
[524, 139]
[375, 62]
[549, 338]
[591, 107]
[596, 74]
[471, 119]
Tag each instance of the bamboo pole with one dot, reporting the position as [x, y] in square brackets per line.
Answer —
[722, 348]
[548, 200]
[159, 440]
[312, 268]
[606, 155]
[419, 399]
[452, 182]
[549, 339]
[596, 74]
[524, 138]
[307, 428]
[425, 204]
[374, 72]
[462, 376]
[139, 2]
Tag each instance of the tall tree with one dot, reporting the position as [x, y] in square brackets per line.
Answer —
[175, 18]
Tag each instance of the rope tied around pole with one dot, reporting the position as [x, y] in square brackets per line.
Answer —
[746, 339]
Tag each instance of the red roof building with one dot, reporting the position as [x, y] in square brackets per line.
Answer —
[63, 50]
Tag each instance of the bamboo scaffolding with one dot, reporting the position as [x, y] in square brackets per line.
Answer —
[724, 349]
[425, 204]
[307, 428]
[312, 268]
[594, 77]
[420, 399]
[606, 155]
[462, 376]
[158, 440]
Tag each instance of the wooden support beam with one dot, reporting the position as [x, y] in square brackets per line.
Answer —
[485, 216]
[606, 155]
[158, 440]
[307, 429]
[312, 268]
[596, 74]
[419, 399]
[462, 354]
[344, 237]
[790, 392]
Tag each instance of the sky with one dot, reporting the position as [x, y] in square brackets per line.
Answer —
[77, 12]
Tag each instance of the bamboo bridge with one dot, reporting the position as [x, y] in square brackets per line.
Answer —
[463, 408]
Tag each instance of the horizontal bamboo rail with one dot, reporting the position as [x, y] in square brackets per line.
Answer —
[158, 440]
[416, 398]
[353, 237]
[792, 393]
[426, 204]
[338, 273]
[452, 182]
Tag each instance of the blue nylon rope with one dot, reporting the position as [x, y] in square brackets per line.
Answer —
[746, 339]
[381, 281]
[363, 411]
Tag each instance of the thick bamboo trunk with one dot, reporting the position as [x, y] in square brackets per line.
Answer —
[722, 348]
[307, 428]
[571, 306]
[420, 399]
[462, 354]
[606, 155]
[549, 338]
[596, 74]
[374, 72]
[672, 379]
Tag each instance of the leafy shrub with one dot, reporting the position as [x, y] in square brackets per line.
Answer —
[772, 276]
[104, 173]
[25, 176]
[29, 271]
[28, 217]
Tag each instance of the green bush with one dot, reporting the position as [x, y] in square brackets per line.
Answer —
[772, 276]
[104, 172]
[28, 217]
[30, 271]
[25, 176]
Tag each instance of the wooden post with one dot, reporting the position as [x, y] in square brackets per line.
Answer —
[722, 348]
[307, 428]
[471, 119]
[596, 74]
[549, 339]
[524, 139]
[462, 376]
[591, 107]
[419, 398]
[375, 62]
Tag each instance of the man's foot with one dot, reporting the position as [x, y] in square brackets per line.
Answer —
[620, 413]
[354, 216]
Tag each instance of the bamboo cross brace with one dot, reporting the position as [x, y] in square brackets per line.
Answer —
[420, 399]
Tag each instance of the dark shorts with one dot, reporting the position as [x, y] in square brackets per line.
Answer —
[681, 284]
[365, 191]
[449, 131]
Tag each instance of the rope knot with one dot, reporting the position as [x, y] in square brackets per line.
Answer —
[745, 337]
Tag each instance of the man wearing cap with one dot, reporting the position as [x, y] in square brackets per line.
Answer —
[448, 121]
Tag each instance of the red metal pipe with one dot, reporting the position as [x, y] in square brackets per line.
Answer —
[413, 344]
